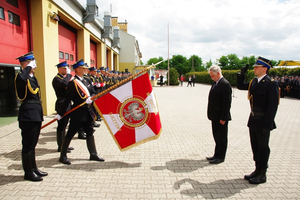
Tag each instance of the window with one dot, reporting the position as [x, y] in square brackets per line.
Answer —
[71, 57]
[13, 18]
[2, 13]
[61, 55]
[13, 2]
[67, 56]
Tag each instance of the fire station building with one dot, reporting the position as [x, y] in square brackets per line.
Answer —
[56, 31]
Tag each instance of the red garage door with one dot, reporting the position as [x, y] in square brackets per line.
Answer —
[67, 44]
[14, 34]
[93, 54]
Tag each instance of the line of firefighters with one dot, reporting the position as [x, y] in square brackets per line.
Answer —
[289, 86]
[101, 79]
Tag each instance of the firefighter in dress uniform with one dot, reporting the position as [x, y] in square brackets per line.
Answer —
[60, 83]
[30, 115]
[96, 85]
[78, 91]
[263, 94]
[88, 76]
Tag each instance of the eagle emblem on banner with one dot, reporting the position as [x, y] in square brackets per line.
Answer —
[130, 112]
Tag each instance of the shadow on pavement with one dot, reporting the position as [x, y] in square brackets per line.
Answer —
[16, 154]
[4, 180]
[47, 137]
[214, 190]
[182, 165]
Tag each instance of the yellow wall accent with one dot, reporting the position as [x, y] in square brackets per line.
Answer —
[109, 59]
[45, 48]
[121, 25]
[129, 66]
[116, 62]
[45, 40]
[83, 46]
[99, 55]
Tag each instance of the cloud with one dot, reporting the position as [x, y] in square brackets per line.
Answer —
[211, 28]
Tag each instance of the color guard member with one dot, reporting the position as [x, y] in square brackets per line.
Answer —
[30, 115]
[78, 91]
[263, 94]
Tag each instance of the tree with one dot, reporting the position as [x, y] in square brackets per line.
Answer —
[173, 76]
[223, 62]
[234, 61]
[274, 63]
[196, 63]
[247, 60]
[208, 64]
[162, 65]
[179, 62]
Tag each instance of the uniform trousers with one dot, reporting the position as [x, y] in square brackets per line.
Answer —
[30, 132]
[62, 123]
[76, 124]
[260, 147]
[220, 133]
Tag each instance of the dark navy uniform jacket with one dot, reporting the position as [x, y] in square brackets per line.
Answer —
[78, 96]
[264, 97]
[28, 92]
[60, 84]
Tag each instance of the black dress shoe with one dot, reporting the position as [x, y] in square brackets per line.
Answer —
[210, 158]
[39, 172]
[258, 179]
[216, 161]
[64, 160]
[96, 157]
[81, 135]
[31, 176]
[252, 175]
[70, 148]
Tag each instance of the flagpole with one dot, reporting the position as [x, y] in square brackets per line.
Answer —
[105, 91]
[168, 59]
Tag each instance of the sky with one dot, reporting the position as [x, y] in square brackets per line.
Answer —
[211, 28]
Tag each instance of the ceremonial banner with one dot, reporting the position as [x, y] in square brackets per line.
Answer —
[130, 112]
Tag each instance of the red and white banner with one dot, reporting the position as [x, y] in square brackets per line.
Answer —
[130, 112]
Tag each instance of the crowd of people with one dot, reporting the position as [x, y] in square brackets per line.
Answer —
[191, 79]
[89, 81]
[289, 86]
[78, 89]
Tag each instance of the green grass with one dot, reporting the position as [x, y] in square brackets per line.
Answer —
[7, 120]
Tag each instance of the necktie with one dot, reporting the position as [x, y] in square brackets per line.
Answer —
[215, 83]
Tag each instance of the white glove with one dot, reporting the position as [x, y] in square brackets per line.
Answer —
[68, 70]
[88, 100]
[98, 85]
[32, 64]
[58, 117]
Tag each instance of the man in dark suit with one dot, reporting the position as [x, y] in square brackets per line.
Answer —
[30, 115]
[79, 92]
[60, 83]
[218, 111]
[263, 94]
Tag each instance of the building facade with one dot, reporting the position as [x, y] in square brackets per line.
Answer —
[130, 54]
[56, 31]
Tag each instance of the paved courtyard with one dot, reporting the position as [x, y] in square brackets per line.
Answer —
[171, 167]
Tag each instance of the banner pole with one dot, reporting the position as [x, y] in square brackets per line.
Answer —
[106, 91]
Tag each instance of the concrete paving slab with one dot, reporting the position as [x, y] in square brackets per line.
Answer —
[171, 167]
